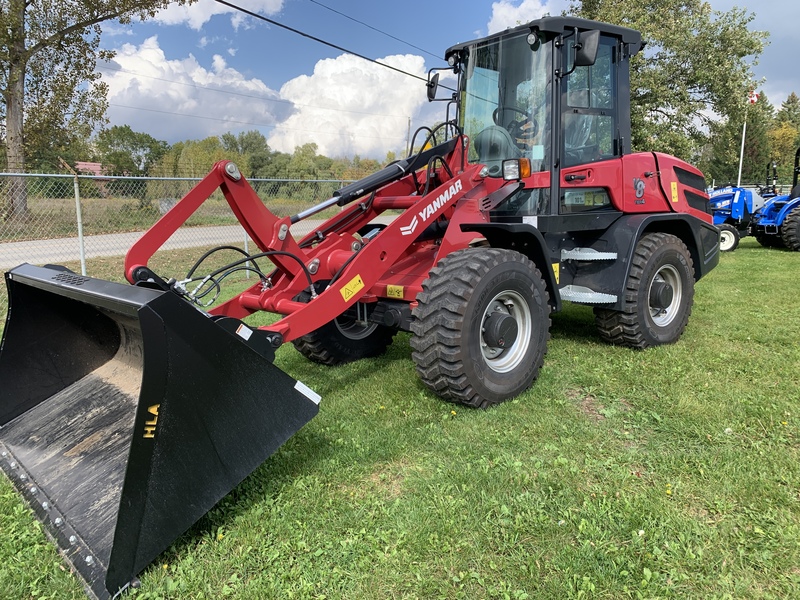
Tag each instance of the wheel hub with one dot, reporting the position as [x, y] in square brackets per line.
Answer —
[500, 330]
[661, 295]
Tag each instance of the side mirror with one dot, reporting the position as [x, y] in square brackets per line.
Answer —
[586, 48]
[433, 86]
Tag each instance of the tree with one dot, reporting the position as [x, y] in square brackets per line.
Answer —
[691, 71]
[783, 143]
[790, 111]
[127, 152]
[302, 164]
[193, 158]
[253, 149]
[48, 83]
[726, 140]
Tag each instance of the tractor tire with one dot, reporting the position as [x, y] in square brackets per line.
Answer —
[770, 240]
[728, 238]
[481, 326]
[343, 340]
[659, 294]
[790, 231]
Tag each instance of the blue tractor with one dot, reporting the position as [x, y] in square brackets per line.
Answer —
[777, 223]
[733, 209]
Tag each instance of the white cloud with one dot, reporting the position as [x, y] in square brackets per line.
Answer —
[367, 106]
[114, 30]
[176, 100]
[198, 14]
[510, 13]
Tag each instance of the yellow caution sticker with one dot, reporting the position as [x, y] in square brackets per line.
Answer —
[674, 191]
[355, 285]
[394, 291]
[557, 271]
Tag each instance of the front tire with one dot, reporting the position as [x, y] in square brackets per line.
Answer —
[343, 340]
[481, 326]
[790, 231]
[659, 294]
[728, 238]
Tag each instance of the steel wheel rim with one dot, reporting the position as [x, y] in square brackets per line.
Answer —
[503, 360]
[352, 329]
[664, 316]
[725, 240]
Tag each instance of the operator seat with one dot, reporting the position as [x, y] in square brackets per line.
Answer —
[494, 145]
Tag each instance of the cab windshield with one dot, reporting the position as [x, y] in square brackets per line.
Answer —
[504, 108]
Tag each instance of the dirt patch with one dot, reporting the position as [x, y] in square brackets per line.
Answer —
[588, 404]
[386, 480]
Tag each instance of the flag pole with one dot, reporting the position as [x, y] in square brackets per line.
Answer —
[752, 98]
[741, 152]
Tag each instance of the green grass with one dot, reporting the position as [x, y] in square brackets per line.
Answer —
[669, 473]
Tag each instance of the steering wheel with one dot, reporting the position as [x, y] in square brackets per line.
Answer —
[523, 132]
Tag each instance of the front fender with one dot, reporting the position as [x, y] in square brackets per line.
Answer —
[525, 239]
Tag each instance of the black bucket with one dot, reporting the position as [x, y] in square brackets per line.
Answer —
[126, 414]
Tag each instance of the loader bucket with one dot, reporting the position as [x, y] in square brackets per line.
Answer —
[126, 414]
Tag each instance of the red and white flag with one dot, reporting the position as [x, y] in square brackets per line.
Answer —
[753, 97]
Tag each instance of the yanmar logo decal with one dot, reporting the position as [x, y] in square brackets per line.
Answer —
[409, 229]
[427, 212]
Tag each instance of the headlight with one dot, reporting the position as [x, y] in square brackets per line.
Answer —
[516, 168]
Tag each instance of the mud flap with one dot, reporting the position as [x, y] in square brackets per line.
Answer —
[126, 414]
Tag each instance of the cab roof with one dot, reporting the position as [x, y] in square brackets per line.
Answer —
[557, 26]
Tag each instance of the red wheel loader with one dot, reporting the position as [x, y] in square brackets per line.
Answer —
[128, 411]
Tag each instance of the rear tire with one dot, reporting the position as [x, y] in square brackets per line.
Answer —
[790, 231]
[728, 238]
[481, 326]
[343, 340]
[658, 296]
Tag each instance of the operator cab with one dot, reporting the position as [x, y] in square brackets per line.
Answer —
[555, 92]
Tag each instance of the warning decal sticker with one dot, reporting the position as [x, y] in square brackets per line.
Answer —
[352, 287]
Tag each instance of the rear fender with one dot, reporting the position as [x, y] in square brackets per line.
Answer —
[701, 239]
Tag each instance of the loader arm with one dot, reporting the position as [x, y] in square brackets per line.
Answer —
[349, 265]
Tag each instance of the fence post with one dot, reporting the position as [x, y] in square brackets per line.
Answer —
[247, 249]
[78, 215]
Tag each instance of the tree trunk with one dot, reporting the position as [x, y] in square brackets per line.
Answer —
[17, 197]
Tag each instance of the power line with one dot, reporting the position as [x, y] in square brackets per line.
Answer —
[316, 39]
[378, 30]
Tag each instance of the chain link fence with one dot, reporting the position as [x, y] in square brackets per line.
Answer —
[66, 219]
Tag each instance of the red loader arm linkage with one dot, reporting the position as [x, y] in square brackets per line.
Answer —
[355, 268]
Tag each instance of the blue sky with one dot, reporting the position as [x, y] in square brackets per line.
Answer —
[204, 69]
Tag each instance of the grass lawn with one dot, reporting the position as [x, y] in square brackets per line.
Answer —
[669, 473]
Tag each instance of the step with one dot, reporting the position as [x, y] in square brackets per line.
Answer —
[585, 295]
[587, 254]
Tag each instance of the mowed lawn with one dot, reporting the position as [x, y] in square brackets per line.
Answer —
[668, 473]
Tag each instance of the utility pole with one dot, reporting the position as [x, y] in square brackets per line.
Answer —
[408, 137]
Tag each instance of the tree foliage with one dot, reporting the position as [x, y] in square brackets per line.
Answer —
[50, 90]
[692, 71]
[126, 152]
[789, 112]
